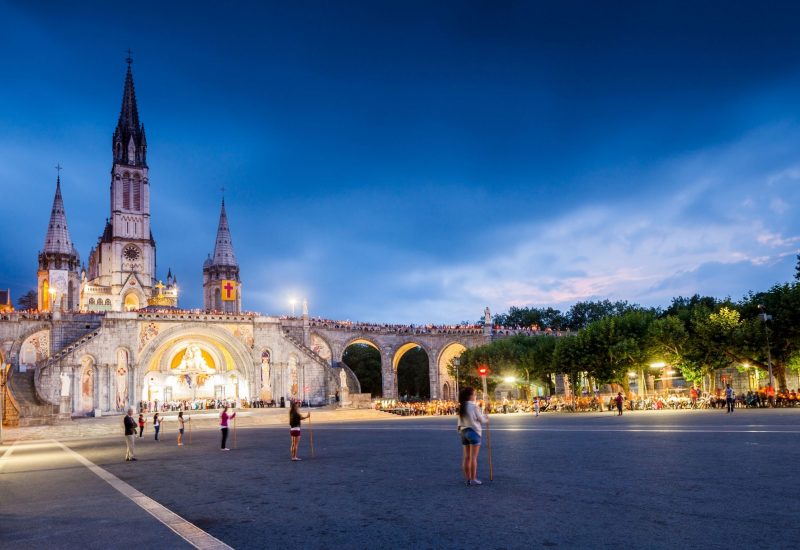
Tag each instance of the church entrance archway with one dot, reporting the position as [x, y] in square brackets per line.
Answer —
[364, 360]
[193, 368]
[131, 302]
[412, 369]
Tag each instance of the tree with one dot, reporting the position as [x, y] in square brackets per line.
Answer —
[365, 362]
[413, 378]
[582, 314]
[531, 316]
[29, 300]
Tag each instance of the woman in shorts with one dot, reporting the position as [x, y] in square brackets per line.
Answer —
[181, 426]
[294, 426]
[470, 427]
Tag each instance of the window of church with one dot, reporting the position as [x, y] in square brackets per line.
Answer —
[126, 192]
[108, 301]
[137, 194]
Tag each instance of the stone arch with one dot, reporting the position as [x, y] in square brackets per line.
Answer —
[318, 343]
[241, 357]
[33, 347]
[449, 351]
[133, 300]
[398, 353]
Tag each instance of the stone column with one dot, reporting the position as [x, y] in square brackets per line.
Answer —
[433, 374]
[388, 376]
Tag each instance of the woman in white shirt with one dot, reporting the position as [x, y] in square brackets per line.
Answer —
[470, 427]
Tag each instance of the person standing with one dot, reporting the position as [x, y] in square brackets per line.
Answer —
[141, 424]
[295, 418]
[156, 424]
[470, 428]
[618, 400]
[536, 405]
[729, 395]
[130, 433]
[181, 426]
[223, 426]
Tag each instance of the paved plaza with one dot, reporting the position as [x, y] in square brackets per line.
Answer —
[643, 480]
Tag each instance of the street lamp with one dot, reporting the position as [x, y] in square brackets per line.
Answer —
[764, 317]
[292, 302]
[658, 365]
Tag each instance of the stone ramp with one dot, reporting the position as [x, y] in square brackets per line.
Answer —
[32, 410]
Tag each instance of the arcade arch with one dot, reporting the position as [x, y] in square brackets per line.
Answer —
[447, 356]
[411, 364]
[364, 359]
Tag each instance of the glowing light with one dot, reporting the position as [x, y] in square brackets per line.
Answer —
[509, 379]
[658, 365]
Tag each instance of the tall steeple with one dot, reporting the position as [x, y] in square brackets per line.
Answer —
[222, 289]
[129, 141]
[223, 249]
[59, 262]
[58, 240]
[122, 266]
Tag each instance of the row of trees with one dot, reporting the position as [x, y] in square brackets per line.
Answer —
[696, 335]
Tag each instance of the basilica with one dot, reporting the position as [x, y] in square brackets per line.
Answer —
[109, 334]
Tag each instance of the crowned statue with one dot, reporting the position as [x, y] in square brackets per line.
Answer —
[193, 361]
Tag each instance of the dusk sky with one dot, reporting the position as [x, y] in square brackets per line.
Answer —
[414, 162]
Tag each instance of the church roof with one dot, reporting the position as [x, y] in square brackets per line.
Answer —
[223, 249]
[128, 126]
[58, 240]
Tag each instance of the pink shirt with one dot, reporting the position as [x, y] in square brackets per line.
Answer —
[223, 418]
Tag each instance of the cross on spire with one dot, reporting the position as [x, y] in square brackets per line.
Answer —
[58, 169]
[129, 59]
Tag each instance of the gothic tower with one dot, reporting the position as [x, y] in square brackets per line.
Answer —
[122, 266]
[221, 284]
[58, 280]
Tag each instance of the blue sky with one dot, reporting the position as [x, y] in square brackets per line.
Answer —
[417, 161]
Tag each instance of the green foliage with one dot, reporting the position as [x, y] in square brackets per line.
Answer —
[29, 300]
[365, 362]
[413, 379]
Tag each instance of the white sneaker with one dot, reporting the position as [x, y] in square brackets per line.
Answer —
[226, 449]
[475, 482]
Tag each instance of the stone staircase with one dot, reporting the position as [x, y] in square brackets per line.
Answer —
[307, 350]
[78, 342]
[32, 411]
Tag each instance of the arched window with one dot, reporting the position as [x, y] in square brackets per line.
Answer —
[91, 301]
[108, 301]
[126, 190]
[137, 193]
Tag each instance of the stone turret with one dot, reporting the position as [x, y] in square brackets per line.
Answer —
[59, 263]
[221, 283]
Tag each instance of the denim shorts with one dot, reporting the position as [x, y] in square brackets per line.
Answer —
[470, 437]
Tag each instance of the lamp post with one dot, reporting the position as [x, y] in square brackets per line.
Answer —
[658, 365]
[456, 364]
[764, 317]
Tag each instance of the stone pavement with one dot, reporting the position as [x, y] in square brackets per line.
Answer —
[682, 479]
[111, 426]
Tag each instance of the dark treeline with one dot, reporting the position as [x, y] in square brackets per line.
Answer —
[696, 335]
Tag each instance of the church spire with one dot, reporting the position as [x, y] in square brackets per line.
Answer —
[58, 240]
[223, 249]
[129, 140]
